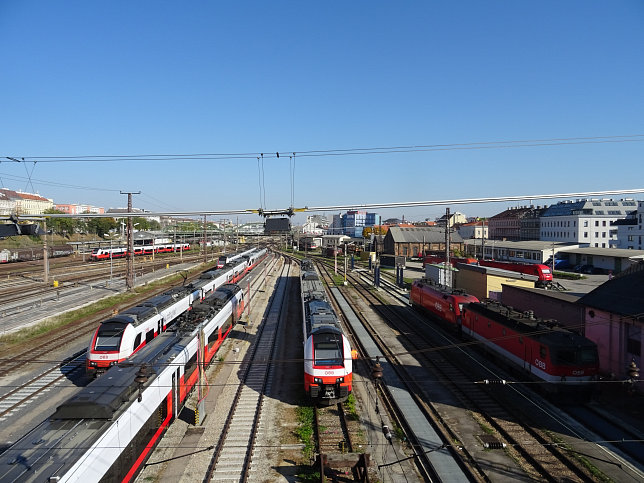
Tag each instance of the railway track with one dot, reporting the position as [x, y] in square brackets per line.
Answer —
[38, 386]
[332, 430]
[233, 455]
[424, 465]
[542, 458]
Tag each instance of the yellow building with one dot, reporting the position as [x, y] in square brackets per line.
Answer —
[486, 282]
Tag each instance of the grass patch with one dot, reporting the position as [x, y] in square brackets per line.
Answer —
[568, 275]
[585, 462]
[350, 408]
[304, 431]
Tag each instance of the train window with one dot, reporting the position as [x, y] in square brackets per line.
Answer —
[109, 337]
[149, 335]
[328, 349]
[137, 341]
[588, 355]
[520, 340]
[542, 351]
[565, 356]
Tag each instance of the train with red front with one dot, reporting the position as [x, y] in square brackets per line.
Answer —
[542, 272]
[328, 358]
[566, 363]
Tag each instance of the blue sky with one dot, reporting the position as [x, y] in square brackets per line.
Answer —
[163, 77]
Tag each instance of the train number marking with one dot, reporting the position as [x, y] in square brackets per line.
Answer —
[540, 364]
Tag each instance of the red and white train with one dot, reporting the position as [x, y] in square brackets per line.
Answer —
[227, 258]
[121, 252]
[566, 362]
[328, 368]
[122, 335]
[542, 272]
[107, 431]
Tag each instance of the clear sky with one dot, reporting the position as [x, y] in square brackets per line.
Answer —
[157, 77]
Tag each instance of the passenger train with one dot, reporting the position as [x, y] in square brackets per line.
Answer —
[566, 362]
[121, 252]
[120, 336]
[227, 258]
[328, 377]
[107, 430]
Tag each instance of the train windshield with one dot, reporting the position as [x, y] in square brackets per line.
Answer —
[109, 336]
[327, 349]
[584, 355]
[545, 270]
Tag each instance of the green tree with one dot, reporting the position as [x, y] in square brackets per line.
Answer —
[60, 226]
[101, 226]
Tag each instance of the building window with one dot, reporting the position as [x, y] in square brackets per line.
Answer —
[596, 222]
[604, 223]
[585, 234]
[585, 222]
[596, 234]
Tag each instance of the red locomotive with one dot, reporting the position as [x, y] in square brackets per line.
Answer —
[541, 350]
[543, 272]
[443, 302]
[566, 362]
[453, 260]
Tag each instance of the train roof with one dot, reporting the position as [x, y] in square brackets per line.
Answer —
[547, 332]
[442, 289]
[141, 313]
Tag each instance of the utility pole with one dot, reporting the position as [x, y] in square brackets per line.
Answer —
[205, 243]
[482, 242]
[129, 278]
[45, 255]
[448, 272]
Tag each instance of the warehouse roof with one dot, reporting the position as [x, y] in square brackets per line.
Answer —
[622, 295]
[427, 234]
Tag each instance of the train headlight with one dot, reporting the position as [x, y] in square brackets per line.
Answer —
[339, 380]
[317, 380]
[92, 363]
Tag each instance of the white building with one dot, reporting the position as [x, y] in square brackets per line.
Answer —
[474, 229]
[630, 231]
[585, 222]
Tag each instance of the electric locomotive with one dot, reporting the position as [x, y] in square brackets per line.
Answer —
[566, 362]
[445, 303]
[327, 352]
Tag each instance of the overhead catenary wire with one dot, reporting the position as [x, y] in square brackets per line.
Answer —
[401, 204]
[340, 152]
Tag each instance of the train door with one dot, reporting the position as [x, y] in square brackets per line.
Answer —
[175, 394]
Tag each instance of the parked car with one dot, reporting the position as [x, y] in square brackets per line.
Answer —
[587, 269]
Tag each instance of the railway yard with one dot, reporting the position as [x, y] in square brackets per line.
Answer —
[425, 405]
